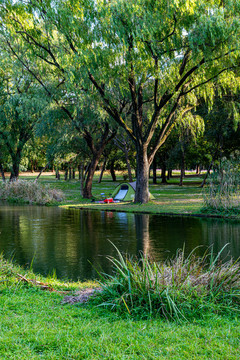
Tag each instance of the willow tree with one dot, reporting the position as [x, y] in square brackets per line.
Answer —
[29, 33]
[161, 56]
[147, 60]
[22, 106]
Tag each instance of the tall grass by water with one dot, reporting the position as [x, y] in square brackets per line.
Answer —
[31, 192]
[222, 193]
[177, 289]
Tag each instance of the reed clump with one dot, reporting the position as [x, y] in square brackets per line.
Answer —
[30, 192]
[176, 289]
[223, 191]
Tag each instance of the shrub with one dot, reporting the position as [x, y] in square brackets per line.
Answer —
[222, 192]
[176, 289]
[29, 192]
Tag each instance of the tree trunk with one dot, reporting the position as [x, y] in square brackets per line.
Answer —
[87, 190]
[163, 173]
[40, 173]
[97, 151]
[112, 171]
[142, 191]
[81, 177]
[169, 175]
[70, 174]
[86, 171]
[102, 170]
[182, 169]
[154, 171]
[2, 173]
[73, 174]
[66, 175]
[206, 176]
[15, 166]
[197, 169]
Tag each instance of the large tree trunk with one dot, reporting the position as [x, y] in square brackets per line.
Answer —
[15, 166]
[142, 191]
[87, 190]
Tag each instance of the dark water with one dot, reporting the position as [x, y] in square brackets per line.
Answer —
[74, 242]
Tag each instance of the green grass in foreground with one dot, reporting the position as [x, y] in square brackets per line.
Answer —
[34, 325]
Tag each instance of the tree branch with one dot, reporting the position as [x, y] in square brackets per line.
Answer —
[109, 108]
[208, 80]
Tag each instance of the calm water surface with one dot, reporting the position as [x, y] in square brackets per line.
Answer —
[75, 242]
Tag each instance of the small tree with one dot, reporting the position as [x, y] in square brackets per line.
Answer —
[20, 112]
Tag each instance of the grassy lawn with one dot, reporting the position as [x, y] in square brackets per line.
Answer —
[35, 325]
[168, 198]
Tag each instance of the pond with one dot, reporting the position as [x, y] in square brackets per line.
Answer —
[75, 243]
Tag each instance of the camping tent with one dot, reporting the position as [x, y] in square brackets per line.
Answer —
[126, 192]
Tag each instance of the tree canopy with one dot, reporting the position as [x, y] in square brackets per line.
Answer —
[145, 63]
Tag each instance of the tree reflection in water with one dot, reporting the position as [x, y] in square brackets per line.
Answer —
[75, 242]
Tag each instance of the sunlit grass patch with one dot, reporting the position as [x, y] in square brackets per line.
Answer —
[35, 324]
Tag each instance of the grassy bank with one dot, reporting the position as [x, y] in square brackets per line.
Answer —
[169, 199]
[34, 324]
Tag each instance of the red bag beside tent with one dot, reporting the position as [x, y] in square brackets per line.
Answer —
[110, 200]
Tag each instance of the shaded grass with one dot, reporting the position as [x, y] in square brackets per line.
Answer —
[35, 325]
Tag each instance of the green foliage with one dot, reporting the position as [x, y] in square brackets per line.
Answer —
[144, 77]
[182, 288]
[222, 192]
[29, 192]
